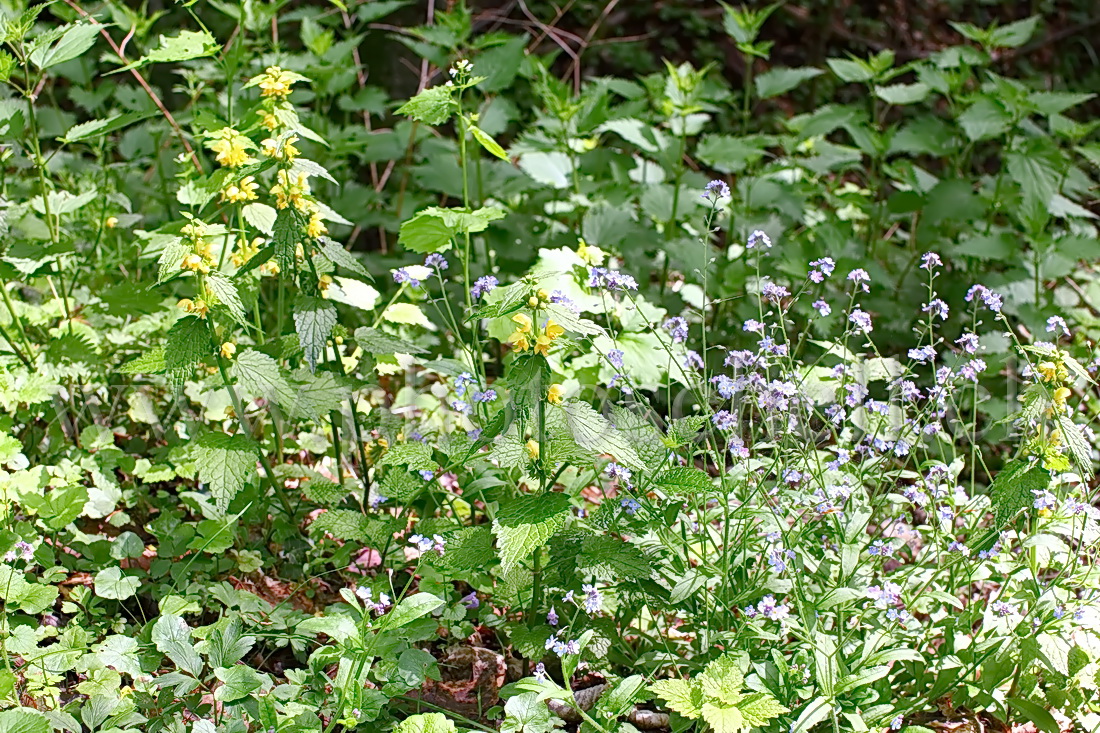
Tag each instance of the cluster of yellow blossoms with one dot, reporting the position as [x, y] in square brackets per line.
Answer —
[521, 337]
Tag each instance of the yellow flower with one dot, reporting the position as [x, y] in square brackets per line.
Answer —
[519, 339]
[228, 349]
[269, 120]
[593, 256]
[1048, 370]
[555, 394]
[197, 307]
[316, 228]
[275, 82]
[533, 450]
[324, 283]
[194, 229]
[245, 190]
[111, 222]
[291, 190]
[271, 148]
[1061, 395]
[551, 332]
[230, 148]
[195, 263]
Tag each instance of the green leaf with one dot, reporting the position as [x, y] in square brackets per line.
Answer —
[684, 481]
[238, 682]
[30, 598]
[111, 583]
[24, 720]
[340, 256]
[261, 216]
[414, 454]
[612, 558]
[225, 465]
[326, 493]
[680, 697]
[426, 723]
[77, 39]
[471, 548]
[527, 713]
[776, 81]
[260, 375]
[1015, 34]
[378, 342]
[313, 319]
[488, 142]
[95, 128]
[225, 293]
[171, 257]
[723, 719]
[416, 606]
[425, 233]
[901, 94]
[526, 523]
[1034, 712]
[593, 432]
[984, 119]
[150, 362]
[722, 680]
[760, 707]
[185, 46]
[343, 524]
[172, 637]
[188, 344]
[433, 106]
[1078, 446]
[1011, 490]
[286, 236]
[851, 70]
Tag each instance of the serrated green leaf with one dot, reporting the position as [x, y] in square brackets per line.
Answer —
[225, 294]
[759, 707]
[340, 256]
[433, 106]
[426, 723]
[414, 454]
[188, 344]
[526, 523]
[471, 548]
[1079, 448]
[612, 558]
[184, 46]
[74, 41]
[150, 362]
[680, 696]
[684, 480]
[260, 376]
[722, 680]
[24, 720]
[225, 465]
[594, 432]
[286, 236]
[378, 342]
[313, 319]
[723, 719]
[776, 81]
[95, 128]
[237, 683]
[528, 713]
[324, 492]
[343, 524]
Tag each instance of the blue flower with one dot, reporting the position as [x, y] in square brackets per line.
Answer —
[437, 261]
[482, 286]
[677, 326]
[758, 239]
[615, 356]
[716, 190]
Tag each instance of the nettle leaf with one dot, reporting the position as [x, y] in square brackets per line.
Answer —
[95, 128]
[260, 375]
[777, 81]
[722, 680]
[185, 46]
[680, 696]
[150, 362]
[314, 319]
[340, 256]
[414, 454]
[760, 707]
[261, 216]
[226, 294]
[723, 719]
[317, 394]
[433, 106]
[434, 228]
[74, 41]
[612, 558]
[378, 342]
[1011, 490]
[225, 465]
[188, 344]
[684, 480]
[172, 637]
[527, 523]
[471, 548]
[286, 237]
[570, 321]
[594, 432]
[326, 493]
[1078, 445]
[343, 524]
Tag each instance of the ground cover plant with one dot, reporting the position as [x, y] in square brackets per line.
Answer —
[532, 400]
